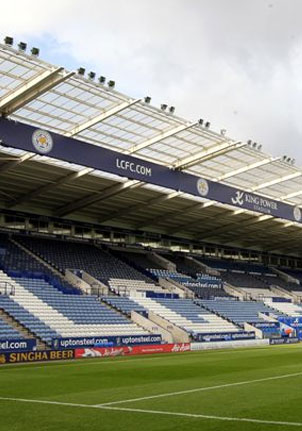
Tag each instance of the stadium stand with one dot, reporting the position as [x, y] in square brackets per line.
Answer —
[187, 315]
[7, 331]
[87, 257]
[238, 312]
[66, 315]
[287, 308]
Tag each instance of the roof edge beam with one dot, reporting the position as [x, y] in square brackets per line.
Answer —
[160, 137]
[204, 155]
[32, 89]
[101, 117]
[247, 168]
[277, 181]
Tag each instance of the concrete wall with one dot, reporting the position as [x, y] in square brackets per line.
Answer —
[78, 282]
[229, 344]
[151, 327]
[97, 287]
[165, 263]
[179, 335]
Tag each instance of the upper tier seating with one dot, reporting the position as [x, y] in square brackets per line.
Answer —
[77, 255]
[238, 311]
[125, 287]
[17, 261]
[165, 273]
[260, 293]
[183, 265]
[69, 315]
[187, 315]
[139, 259]
[296, 273]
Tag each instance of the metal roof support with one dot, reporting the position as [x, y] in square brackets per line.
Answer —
[128, 210]
[277, 181]
[249, 222]
[160, 137]
[247, 168]
[15, 162]
[96, 197]
[194, 223]
[171, 215]
[208, 154]
[32, 89]
[101, 117]
[291, 195]
[269, 246]
[42, 190]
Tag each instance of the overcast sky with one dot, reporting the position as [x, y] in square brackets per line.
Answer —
[236, 63]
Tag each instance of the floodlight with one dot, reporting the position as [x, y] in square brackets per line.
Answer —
[223, 132]
[91, 75]
[172, 109]
[9, 41]
[163, 106]
[22, 46]
[102, 79]
[207, 125]
[111, 84]
[35, 51]
[200, 121]
[81, 71]
[147, 99]
[249, 142]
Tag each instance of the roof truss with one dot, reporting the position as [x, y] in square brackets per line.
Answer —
[32, 89]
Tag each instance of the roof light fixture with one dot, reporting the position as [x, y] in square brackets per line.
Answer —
[8, 40]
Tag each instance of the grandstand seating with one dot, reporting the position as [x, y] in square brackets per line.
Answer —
[82, 256]
[124, 304]
[68, 315]
[16, 261]
[7, 331]
[187, 315]
[140, 260]
[288, 308]
[238, 312]
[124, 286]
[165, 273]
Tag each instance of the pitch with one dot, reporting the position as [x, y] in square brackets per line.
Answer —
[247, 389]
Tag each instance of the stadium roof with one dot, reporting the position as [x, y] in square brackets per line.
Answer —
[40, 94]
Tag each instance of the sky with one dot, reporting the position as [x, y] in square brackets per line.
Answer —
[235, 63]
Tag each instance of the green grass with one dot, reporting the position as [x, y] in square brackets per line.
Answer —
[97, 381]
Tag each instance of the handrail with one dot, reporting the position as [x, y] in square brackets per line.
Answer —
[7, 288]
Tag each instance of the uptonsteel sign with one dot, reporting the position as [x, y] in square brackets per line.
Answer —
[17, 345]
[125, 340]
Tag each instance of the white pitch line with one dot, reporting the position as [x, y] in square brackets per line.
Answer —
[207, 388]
[131, 359]
[158, 412]
[195, 415]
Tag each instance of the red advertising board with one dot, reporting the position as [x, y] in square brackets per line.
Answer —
[103, 352]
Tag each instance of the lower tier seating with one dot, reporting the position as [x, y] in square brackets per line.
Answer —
[7, 332]
[69, 315]
[288, 308]
[238, 312]
[187, 315]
